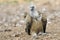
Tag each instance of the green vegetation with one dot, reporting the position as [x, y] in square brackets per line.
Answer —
[28, 0]
[10, 2]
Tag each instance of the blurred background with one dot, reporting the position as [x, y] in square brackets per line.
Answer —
[12, 24]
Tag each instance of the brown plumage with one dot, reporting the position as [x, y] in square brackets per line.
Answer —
[35, 22]
[36, 26]
[33, 25]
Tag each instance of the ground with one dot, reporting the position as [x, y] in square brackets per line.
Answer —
[12, 24]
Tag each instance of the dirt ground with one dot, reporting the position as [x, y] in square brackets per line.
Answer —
[12, 24]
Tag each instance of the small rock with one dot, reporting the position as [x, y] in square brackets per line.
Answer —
[17, 35]
[7, 30]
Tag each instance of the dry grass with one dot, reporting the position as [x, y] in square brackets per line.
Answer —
[12, 27]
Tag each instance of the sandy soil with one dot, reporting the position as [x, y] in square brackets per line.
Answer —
[12, 25]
